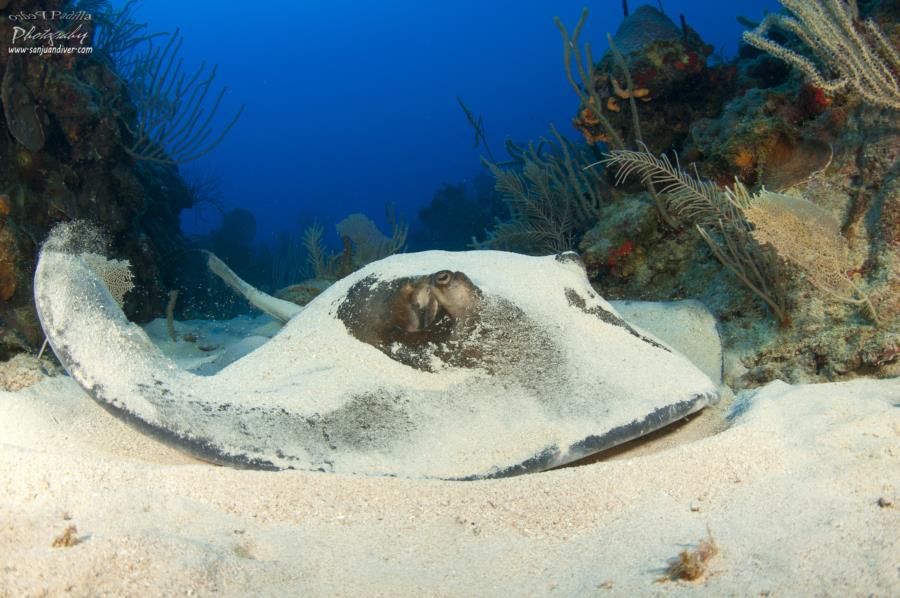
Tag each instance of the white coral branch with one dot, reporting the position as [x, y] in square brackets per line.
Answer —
[855, 54]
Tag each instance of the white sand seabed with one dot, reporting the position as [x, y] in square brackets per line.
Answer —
[790, 491]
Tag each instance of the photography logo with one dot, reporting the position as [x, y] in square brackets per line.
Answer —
[51, 32]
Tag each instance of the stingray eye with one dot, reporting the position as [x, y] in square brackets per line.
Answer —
[443, 277]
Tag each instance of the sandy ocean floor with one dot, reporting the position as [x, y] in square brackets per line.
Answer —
[799, 488]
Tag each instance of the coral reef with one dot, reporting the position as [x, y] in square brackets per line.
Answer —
[775, 137]
[62, 139]
[855, 50]
[23, 370]
[670, 76]
[778, 128]
[775, 128]
[717, 216]
[857, 262]
[19, 108]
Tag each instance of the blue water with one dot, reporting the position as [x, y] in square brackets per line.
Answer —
[351, 105]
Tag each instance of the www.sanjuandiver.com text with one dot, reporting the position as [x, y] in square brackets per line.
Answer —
[50, 50]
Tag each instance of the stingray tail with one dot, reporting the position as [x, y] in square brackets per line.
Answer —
[277, 308]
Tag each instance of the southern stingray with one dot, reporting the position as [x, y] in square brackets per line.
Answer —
[436, 364]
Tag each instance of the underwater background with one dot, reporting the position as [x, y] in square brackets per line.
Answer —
[353, 105]
[302, 140]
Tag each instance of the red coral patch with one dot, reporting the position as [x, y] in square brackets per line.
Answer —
[620, 252]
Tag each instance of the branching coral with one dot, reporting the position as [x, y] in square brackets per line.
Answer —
[117, 33]
[591, 113]
[853, 54]
[315, 251]
[171, 127]
[549, 198]
[590, 100]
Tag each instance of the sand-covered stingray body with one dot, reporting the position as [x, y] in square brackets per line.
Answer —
[533, 371]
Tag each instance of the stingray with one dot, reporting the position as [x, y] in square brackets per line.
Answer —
[452, 365]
